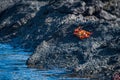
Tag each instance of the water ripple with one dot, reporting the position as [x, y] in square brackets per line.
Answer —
[12, 67]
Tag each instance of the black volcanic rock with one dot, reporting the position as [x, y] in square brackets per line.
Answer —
[5, 4]
[46, 28]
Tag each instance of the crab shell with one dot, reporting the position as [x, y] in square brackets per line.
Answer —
[82, 34]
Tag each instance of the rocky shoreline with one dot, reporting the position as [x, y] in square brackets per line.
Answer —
[46, 28]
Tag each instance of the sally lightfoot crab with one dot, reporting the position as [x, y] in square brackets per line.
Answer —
[82, 34]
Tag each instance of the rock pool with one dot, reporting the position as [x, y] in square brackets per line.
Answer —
[12, 67]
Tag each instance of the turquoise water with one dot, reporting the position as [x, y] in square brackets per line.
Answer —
[12, 67]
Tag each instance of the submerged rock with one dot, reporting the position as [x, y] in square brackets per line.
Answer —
[46, 28]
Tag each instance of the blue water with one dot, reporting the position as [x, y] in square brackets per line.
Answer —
[12, 67]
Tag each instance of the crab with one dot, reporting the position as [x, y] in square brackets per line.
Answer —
[82, 34]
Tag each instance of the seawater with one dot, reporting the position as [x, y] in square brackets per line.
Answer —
[13, 67]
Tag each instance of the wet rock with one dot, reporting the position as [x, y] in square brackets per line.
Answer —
[52, 57]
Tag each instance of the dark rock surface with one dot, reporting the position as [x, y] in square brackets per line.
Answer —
[5, 4]
[46, 27]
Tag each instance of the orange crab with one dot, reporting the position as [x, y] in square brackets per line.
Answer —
[82, 34]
